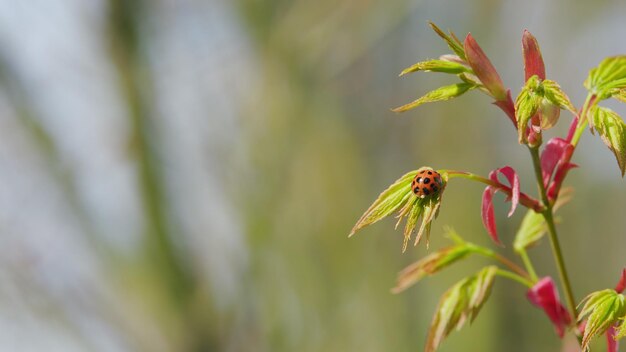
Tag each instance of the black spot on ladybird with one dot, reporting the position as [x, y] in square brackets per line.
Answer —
[426, 191]
[430, 172]
[426, 181]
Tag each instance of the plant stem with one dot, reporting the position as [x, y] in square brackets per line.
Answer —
[582, 119]
[554, 241]
[524, 199]
[529, 265]
[491, 254]
[515, 277]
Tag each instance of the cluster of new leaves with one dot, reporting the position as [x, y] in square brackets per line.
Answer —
[437, 261]
[542, 99]
[399, 197]
[608, 80]
[468, 62]
[604, 312]
[461, 302]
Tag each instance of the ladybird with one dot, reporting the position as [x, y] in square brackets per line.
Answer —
[426, 183]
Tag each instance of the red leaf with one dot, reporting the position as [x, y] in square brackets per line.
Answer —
[513, 179]
[533, 62]
[545, 296]
[621, 285]
[487, 211]
[550, 157]
[612, 345]
[555, 164]
[483, 68]
[559, 176]
[488, 216]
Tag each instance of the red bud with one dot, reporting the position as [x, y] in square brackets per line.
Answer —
[483, 69]
[533, 62]
[545, 296]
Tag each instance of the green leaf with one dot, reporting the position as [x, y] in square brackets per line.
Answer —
[553, 92]
[549, 113]
[399, 197]
[602, 310]
[392, 199]
[430, 265]
[440, 94]
[532, 229]
[621, 333]
[411, 222]
[610, 74]
[619, 94]
[437, 66]
[453, 43]
[462, 301]
[612, 129]
[481, 289]
[526, 105]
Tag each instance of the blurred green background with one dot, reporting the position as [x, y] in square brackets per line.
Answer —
[181, 175]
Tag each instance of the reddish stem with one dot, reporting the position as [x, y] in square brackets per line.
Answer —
[508, 107]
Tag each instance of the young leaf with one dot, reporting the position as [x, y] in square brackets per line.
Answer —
[462, 301]
[488, 216]
[451, 40]
[399, 197]
[392, 199]
[621, 333]
[480, 290]
[533, 62]
[430, 265]
[609, 75]
[612, 129]
[602, 309]
[440, 94]
[619, 94]
[553, 92]
[549, 114]
[526, 106]
[487, 211]
[511, 176]
[483, 68]
[545, 296]
[554, 152]
[437, 66]
[532, 229]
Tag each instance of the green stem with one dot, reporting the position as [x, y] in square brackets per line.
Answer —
[582, 118]
[515, 277]
[524, 199]
[493, 255]
[529, 265]
[554, 240]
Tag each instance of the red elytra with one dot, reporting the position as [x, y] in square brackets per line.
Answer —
[426, 183]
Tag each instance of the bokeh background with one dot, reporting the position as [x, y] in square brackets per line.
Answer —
[181, 175]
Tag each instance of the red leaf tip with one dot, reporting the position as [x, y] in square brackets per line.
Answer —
[533, 62]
